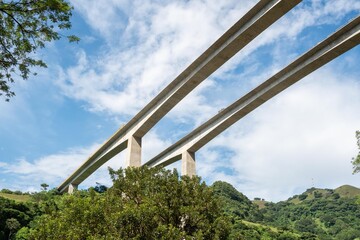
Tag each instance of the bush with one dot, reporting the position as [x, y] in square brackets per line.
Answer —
[302, 197]
[318, 194]
[6, 191]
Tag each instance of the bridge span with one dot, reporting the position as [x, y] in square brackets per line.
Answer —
[254, 22]
[341, 41]
[260, 17]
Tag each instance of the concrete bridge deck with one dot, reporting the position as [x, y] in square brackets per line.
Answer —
[255, 21]
[341, 41]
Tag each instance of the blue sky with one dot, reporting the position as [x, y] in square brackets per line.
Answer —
[130, 50]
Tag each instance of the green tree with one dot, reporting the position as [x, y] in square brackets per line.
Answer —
[356, 160]
[142, 204]
[22, 234]
[13, 225]
[306, 224]
[25, 26]
[348, 234]
[44, 186]
[22, 212]
[100, 188]
[303, 196]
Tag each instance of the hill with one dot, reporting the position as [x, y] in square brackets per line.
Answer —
[326, 213]
[347, 191]
[235, 203]
[246, 217]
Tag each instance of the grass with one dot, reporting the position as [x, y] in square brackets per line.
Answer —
[266, 227]
[260, 203]
[348, 191]
[259, 225]
[18, 198]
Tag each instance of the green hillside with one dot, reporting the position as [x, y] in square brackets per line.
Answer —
[347, 191]
[247, 218]
[260, 203]
[319, 214]
[16, 197]
[326, 213]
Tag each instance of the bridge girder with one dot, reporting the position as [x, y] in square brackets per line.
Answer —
[338, 43]
[254, 22]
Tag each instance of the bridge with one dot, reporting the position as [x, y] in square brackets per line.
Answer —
[254, 22]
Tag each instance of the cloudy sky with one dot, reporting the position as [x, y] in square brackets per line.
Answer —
[131, 49]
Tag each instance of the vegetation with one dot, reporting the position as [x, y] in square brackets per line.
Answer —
[235, 204]
[356, 160]
[159, 204]
[25, 26]
[14, 215]
[325, 213]
[142, 204]
[15, 196]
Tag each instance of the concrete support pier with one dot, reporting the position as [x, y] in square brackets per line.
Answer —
[188, 166]
[133, 157]
[72, 188]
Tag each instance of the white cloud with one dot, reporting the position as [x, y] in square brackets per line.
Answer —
[51, 169]
[152, 144]
[106, 18]
[3, 164]
[158, 42]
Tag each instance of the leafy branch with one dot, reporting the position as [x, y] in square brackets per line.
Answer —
[25, 26]
[356, 160]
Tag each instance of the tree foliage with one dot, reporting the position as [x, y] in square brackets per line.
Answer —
[100, 188]
[25, 26]
[14, 215]
[12, 224]
[235, 204]
[327, 216]
[44, 186]
[142, 204]
[159, 204]
[356, 160]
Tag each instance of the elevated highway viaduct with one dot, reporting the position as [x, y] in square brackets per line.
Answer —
[341, 41]
[246, 29]
[254, 22]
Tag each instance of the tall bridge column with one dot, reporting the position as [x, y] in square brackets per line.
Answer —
[72, 188]
[188, 166]
[133, 158]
